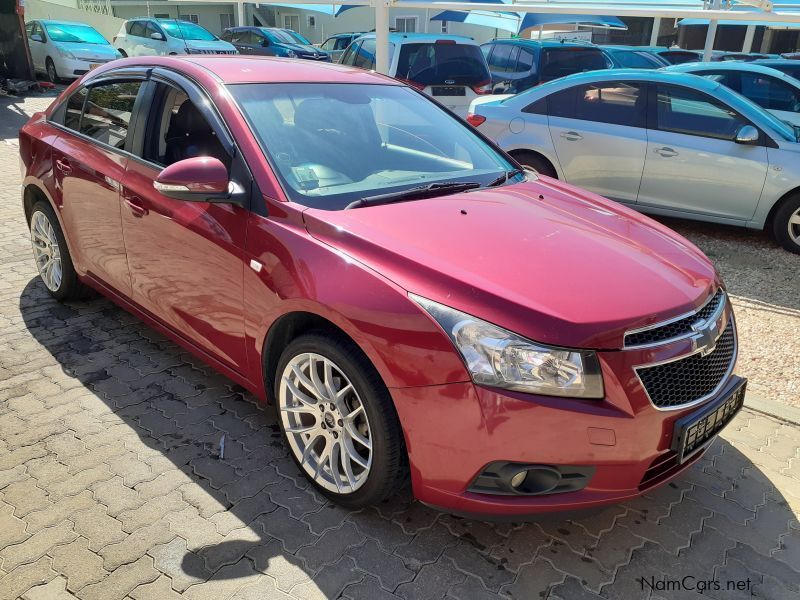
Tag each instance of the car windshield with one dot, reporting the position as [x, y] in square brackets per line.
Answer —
[560, 62]
[442, 62]
[187, 31]
[74, 33]
[280, 36]
[637, 60]
[298, 38]
[332, 144]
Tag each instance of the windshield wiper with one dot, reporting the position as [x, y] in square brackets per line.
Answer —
[416, 193]
[505, 177]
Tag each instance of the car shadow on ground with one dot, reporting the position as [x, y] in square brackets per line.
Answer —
[13, 114]
[180, 409]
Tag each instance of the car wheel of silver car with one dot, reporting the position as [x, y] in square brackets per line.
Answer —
[536, 162]
[786, 224]
[52, 75]
[338, 420]
[52, 256]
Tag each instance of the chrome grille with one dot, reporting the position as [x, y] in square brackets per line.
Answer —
[674, 329]
[691, 379]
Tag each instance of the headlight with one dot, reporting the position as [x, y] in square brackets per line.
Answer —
[193, 51]
[64, 52]
[291, 54]
[499, 358]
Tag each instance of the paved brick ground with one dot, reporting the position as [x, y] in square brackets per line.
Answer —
[111, 485]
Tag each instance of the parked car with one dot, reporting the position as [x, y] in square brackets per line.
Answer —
[770, 89]
[310, 231]
[271, 41]
[674, 56]
[337, 44]
[146, 36]
[741, 56]
[66, 50]
[790, 67]
[519, 64]
[662, 142]
[450, 68]
[633, 57]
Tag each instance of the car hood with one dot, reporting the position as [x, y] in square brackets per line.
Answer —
[83, 51]
[302, 48]
[208, 45]
[543, 259]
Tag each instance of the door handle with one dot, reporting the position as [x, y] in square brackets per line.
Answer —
[135, 205]
[63, 166]
[665, 152]
[571, 136]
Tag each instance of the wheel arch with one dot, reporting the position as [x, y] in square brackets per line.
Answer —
[768, 222]
[515, 152]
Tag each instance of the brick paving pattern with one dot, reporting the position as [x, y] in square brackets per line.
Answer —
[111, 485]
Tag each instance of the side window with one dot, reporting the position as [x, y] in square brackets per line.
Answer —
[151, 29]
[681, 110]
[486, 49]
[178, 130]
[108, 110]
[329, 44]
[617, 103]
[500, 58]
[39, 30]
[350, 53]
[365, 58]
[769, 92]
[137, 28]
[29, 29]
[537, 108]
[226, 36]
[525, 61]
[562, 104]
[72, 114]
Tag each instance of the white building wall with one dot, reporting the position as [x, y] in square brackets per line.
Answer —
[66, 10]
[208, 15]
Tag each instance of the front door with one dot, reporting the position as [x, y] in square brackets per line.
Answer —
[693, 163]
[186, 258]
[88, 166]
[598, 131]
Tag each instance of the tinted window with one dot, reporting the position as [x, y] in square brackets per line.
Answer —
[678, 58]
[560, 62]
[726, 78]
[682, 110]
[108, 110]
[499, 60]
[72, 115]
[637, 60]
[365, 56]
[136, 28]
[525, 61]
[435, 63]
[349, 54]
[618, 103]
[789, 68]
[537, 108]
[771, 93]
[562, 104]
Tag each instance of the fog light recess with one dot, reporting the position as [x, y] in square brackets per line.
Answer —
[505, 478]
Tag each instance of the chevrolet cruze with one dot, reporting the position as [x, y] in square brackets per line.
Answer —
[415, 305]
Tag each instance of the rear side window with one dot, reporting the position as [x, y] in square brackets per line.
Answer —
[617, 103]
[136, 28]
[443, 62]
[107, 112]
[500, 58]
[562, 104]
[560, 62]
[771, 93]
[72, 115]
[681, 110]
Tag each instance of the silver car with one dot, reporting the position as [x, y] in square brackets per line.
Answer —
[664, 143]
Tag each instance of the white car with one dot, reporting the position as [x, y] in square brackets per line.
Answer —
[666, 143]
[771, 89]
[147, 36]
[66, 50]
[449, 68]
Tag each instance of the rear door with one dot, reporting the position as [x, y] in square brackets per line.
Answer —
[693, 163]
[89, 159]
[598, 131]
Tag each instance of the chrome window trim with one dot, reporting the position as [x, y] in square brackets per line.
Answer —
[686, 315]
[714, 392]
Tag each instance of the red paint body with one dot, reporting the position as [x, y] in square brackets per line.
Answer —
[543, 259]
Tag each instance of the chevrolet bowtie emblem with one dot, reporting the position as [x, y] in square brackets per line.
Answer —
[705, 334]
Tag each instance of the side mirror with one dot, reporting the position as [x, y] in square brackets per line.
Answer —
[199, 179]
[37, 38]
[747, 135]
[157, 36]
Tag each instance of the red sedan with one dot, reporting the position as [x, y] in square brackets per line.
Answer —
[413, 304]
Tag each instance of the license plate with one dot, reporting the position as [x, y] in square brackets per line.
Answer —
[93, 66]
[693, 432]
[449, 91]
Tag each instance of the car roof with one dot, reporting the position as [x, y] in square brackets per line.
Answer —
[542, 43]
[397, 37]
[59, 22]
[651, 75]
[232, 69]
[731, 66]
[774, 61]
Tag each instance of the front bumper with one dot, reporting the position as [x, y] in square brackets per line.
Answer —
[454, 430]
[69, 68]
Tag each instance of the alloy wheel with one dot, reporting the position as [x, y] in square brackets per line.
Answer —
[325, 423]
[51, 72]
[46, 251]
[794, 227]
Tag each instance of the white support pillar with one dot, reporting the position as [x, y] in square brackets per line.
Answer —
[240, 14]
[656, 30]
[709, 47]
[382, 36]
[747, 46]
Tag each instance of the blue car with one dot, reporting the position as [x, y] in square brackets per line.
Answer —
[634, 57]
[272, 41]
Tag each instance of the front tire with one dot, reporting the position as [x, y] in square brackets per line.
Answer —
[786, 224]
[50, 67]
[122, 52]
[536, 162]
[52, 257]
[338, 420]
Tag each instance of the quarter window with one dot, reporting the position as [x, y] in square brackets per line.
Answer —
[525, 61]
[72, 116]
[617, 103]
[689, 112]
[107, 112]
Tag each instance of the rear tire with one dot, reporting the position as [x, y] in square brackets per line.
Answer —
[786, 224]
[52, 257]
[338, 420]
[536, 162]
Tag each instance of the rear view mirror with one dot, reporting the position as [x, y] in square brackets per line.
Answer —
[36, 38]
[199, 179]
[747, 135]
[157, 36]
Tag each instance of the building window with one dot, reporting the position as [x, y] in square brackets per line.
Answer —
[161, 15]
[405, 24]
[193, 18]
[225, 21]
[444, 26]
[291, 22]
